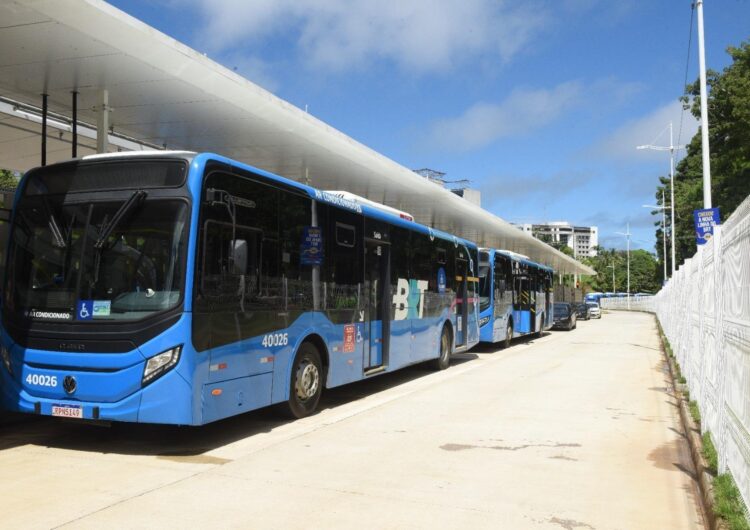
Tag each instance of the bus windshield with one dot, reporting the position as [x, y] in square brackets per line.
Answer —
[72, 258]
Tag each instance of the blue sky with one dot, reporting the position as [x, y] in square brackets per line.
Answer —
[539, 103]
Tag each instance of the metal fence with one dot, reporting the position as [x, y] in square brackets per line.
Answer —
[637, 303]
[705, 313]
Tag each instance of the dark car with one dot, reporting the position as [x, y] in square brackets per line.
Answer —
[564, 316]
[583, 311]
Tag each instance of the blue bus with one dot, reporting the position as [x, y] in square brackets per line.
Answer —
[515, 296]
[183, 288]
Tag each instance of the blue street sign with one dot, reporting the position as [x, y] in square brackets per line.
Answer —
[705, 220]
[311, 249]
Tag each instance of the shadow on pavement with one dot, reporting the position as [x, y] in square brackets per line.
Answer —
[173, 441]
[486, 347]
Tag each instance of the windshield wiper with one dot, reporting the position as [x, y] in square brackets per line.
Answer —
[128, 205]
[54, 227]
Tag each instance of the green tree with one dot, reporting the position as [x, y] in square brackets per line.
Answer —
[7, 180]
[729, 139]
[643, 271]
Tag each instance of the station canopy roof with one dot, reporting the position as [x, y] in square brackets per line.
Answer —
[163, 93]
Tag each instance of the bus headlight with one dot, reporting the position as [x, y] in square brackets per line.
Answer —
[5, 354]
[160, 364]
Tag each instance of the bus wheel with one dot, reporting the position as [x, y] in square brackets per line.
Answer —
[442, 362]
[508, 335]
[306, 382]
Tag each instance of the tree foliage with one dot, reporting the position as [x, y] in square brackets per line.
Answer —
[729, 141]
[7, 180]
[643, 271]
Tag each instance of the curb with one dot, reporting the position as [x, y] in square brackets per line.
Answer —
[693, 436]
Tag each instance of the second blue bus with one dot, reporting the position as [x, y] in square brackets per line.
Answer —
[515, 296]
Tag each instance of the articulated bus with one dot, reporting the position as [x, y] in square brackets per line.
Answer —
[515, 296]
[179, 288]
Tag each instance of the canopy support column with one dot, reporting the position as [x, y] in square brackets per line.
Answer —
[74, 128]
[44, 129]
[102, 123]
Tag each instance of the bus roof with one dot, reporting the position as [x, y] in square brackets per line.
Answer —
[519, 258]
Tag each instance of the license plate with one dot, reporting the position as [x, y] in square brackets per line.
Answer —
[67, 411]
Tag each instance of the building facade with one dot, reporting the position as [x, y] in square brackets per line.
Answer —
[582, 239]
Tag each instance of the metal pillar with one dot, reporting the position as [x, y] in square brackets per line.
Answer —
[44, 129]
[704, 109]
[664, 235]
[102, 123]
[74, 140]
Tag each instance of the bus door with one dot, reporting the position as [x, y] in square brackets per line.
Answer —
[522, 305]
[377, 321]
[532, 303]
[462, 306]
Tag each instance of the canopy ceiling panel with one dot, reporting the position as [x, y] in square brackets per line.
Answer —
[164, 93]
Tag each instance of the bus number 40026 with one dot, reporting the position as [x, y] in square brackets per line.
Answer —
[275, 339]
[41, 380]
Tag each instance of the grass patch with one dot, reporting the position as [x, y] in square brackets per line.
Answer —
[695, 413]
[728, 503]
[664, 340]
[709, 453]
[682, 380]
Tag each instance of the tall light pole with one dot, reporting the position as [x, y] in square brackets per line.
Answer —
[663, 209]
[612, 266]
[627, 234]
[704, 109]
[671, 148]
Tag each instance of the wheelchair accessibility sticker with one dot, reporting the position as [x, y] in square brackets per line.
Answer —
[85, 310]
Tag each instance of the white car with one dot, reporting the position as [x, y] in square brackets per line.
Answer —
[594, 310]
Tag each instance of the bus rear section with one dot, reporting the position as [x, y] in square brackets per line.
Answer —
[187, 289]
[515, 296]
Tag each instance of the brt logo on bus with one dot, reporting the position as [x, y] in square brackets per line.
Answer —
[409, 299]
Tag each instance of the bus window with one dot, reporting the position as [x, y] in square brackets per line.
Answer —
[296, 276]
[344, 270]
[345, 235]
[239, 263]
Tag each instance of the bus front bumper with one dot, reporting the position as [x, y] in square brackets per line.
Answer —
[166, 400]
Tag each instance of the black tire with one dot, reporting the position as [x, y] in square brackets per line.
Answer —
[306, 382]
[446, 346]
[508, 335]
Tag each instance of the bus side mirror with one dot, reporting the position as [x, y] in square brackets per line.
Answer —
[239, 256]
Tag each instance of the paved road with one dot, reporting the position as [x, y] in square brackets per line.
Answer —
[576, 430]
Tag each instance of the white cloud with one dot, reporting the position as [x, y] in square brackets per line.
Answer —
[649, 129]
[523, 111]
[417, 35]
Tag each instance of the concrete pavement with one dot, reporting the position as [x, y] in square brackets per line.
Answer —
[576, 430]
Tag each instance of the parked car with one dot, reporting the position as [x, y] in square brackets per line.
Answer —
[594, 310]
[583, 311]
[564, 316]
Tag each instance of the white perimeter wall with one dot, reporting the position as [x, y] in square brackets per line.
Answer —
[704, 311]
